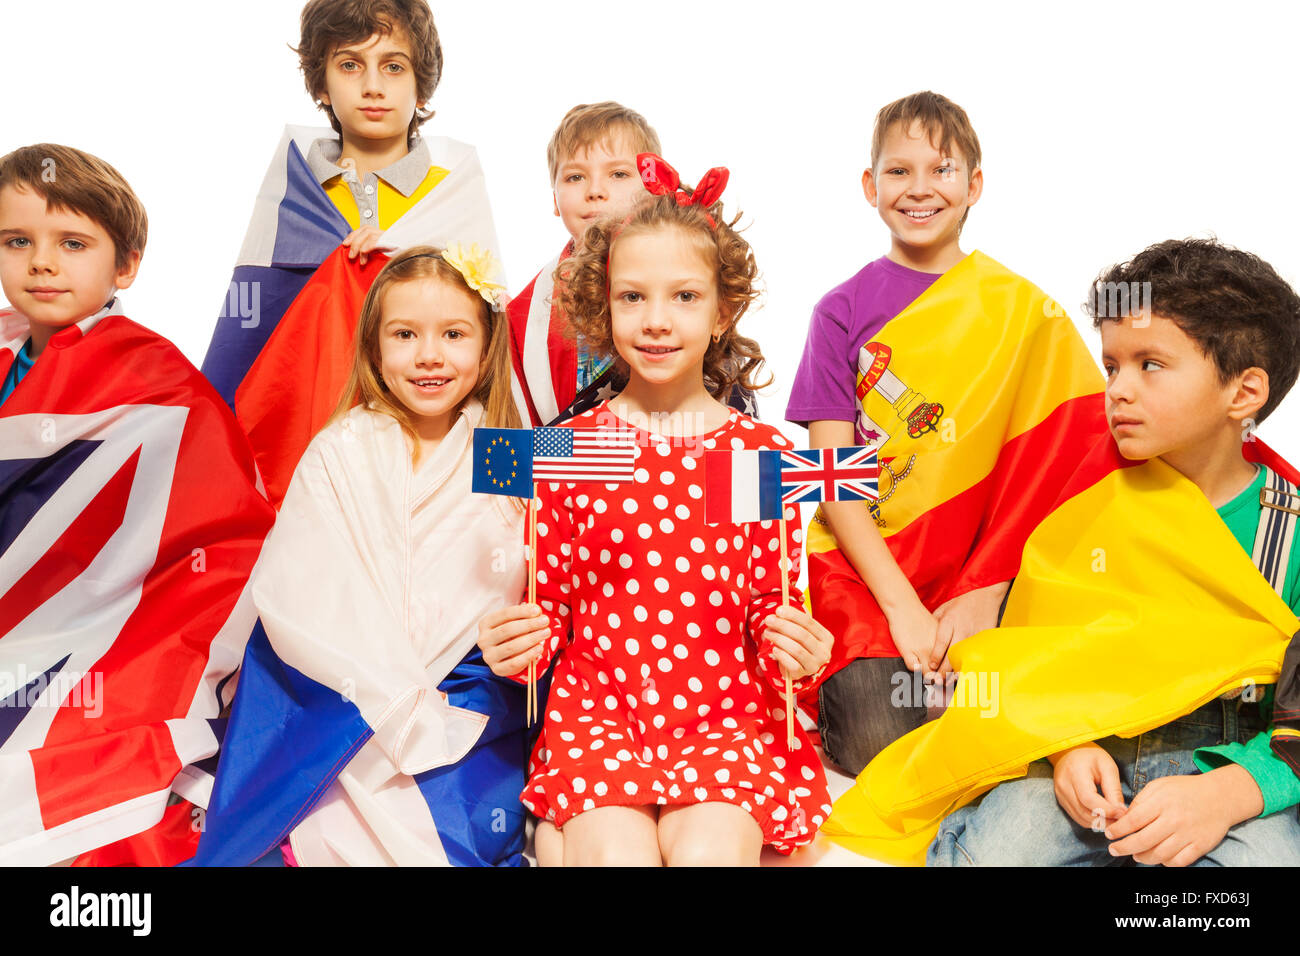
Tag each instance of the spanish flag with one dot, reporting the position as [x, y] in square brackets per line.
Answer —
[983, 401]
[1134, 605]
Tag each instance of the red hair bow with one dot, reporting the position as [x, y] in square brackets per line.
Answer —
[660, 179]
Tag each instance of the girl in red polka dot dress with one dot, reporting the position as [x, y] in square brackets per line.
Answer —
[664, 736]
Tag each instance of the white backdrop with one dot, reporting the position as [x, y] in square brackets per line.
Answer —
[1105, 127]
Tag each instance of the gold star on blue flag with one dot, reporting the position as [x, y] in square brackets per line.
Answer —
[503, 461]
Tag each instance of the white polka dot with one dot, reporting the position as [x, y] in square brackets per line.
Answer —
[695, 684]
[629, 788]
[608, 589]
[661, 502]
[659, 641]
[611, 763]
[737, 443]
[679, 702]
[641, 476]
[644, 530]
[653, 559]
[616, 535]
[625, 560]
[724, 682]
[697, 545]
[611, 702]
[689, 462]
[582, 501]
[667, 477]
[629, 505]
[659, 719]
[579, 785]
[695, 491]
[661, 585]
[711, 657]
[633, 585]
[640, 614]
[664, 448]
[665, 664]
[680, 652]
[614, 621]
[720, 546]
[632, 647]
[692, 629]
[666, 526]
[541, 576]
[542, 529]
[665, 616]
[599, 506]
[682, 512]
[708, 572]
[688, 599]
[604, 642]
[605, 556]
[715, 598]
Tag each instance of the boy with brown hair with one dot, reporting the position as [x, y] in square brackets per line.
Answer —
[332, 202]
[592, 162]
[591, 159]
[122, 476]
[903, 579]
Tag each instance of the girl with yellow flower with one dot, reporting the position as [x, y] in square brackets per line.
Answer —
[379, 568]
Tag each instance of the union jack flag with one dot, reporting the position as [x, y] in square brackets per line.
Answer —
[130, 519]
[830, 474]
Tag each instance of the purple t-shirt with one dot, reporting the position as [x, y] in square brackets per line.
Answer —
[846, 319]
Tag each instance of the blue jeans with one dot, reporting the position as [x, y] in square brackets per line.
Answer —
[1020, 823]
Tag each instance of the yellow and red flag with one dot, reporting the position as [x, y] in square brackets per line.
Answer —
[1134, 605]
[983, 401]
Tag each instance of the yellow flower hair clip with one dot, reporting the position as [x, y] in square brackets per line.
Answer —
[479, 269]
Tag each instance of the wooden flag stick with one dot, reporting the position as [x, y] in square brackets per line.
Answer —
[531, 704]
[785, 599]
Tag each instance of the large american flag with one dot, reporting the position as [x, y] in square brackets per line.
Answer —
[830, 474]
[584, 454]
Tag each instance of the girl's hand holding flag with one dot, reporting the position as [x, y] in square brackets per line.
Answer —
[799, 644]
[512, 638]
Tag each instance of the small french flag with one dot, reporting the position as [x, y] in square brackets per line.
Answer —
[742, 486]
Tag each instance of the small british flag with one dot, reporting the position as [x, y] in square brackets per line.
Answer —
[830, 474]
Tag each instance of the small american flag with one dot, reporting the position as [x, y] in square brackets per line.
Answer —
[830, 474]
[583, 454]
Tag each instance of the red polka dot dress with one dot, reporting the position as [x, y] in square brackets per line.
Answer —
[664, 691]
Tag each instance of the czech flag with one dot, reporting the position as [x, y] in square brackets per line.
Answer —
[282, 348]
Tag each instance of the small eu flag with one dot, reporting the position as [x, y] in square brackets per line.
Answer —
[503, 461]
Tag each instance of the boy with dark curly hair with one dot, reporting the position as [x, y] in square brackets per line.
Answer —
[1200, 343]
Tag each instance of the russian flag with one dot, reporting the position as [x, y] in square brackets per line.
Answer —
[742, 486]
[289, 737]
